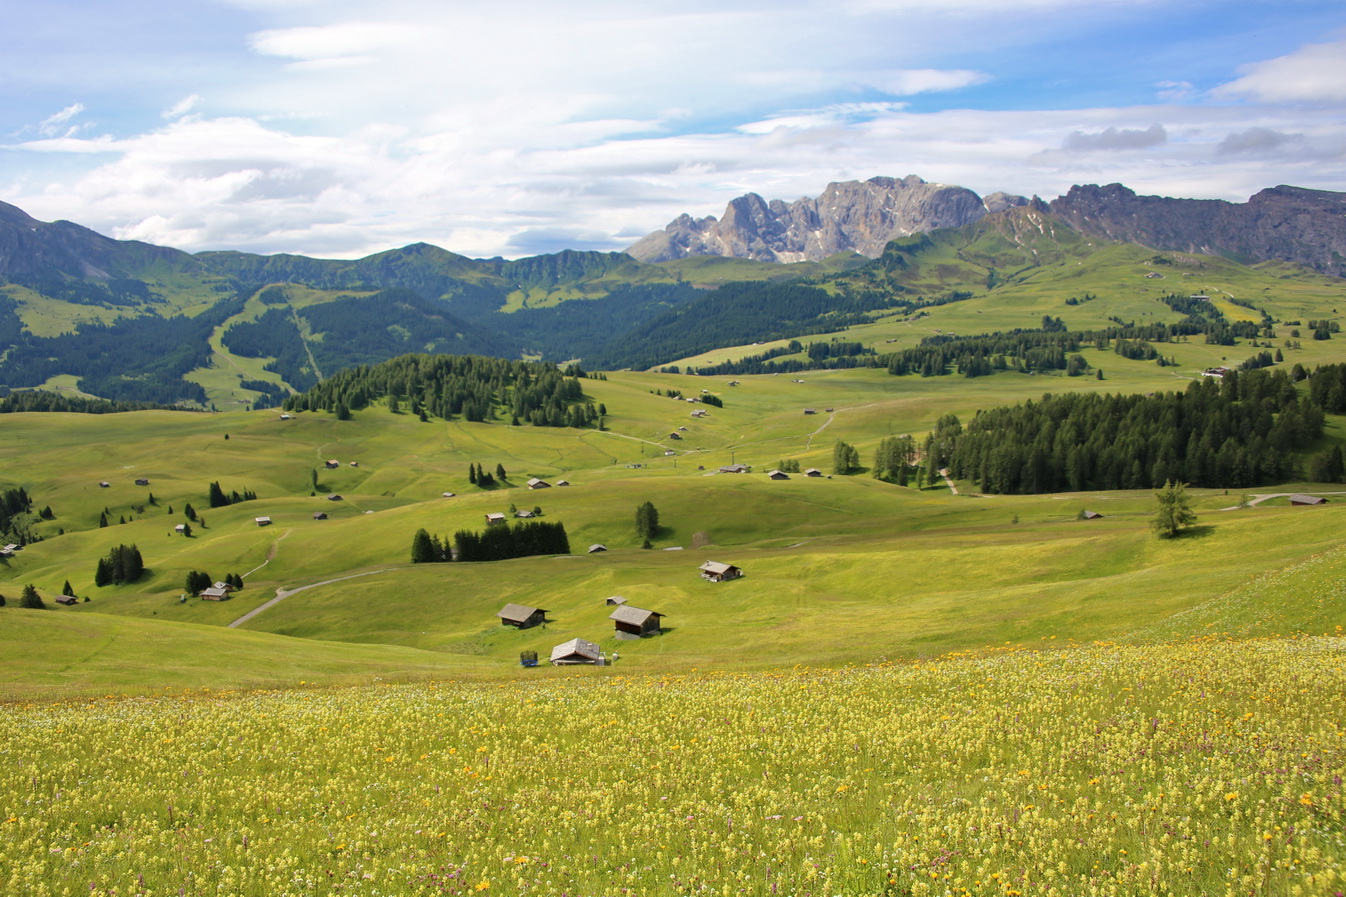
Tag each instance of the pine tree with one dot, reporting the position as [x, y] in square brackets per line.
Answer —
[102, 520]
[472, 474]
[422, 548]
[1173, 510]
[189, 512]
[217, 497]
[647, 521]
[31, 599]
[500, 473]
[66, 588]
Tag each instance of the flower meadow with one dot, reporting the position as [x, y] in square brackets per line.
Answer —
[1205, 767]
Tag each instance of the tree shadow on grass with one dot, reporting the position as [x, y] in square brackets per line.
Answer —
[1195, 532]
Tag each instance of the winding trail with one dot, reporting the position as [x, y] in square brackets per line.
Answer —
[282, 594]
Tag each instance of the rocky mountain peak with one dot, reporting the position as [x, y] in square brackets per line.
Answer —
[856, 216]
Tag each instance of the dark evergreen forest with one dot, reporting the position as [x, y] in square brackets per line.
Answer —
[1242, 430]
[447, 386]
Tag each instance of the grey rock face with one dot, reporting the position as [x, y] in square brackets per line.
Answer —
[860, 216]
[1288, 223]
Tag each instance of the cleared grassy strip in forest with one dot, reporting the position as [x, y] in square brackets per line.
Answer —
[1186, 769]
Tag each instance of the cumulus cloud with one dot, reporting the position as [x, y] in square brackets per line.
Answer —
[1314, 74]
[1112, 139]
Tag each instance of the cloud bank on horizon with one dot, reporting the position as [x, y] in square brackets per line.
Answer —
[335, 128]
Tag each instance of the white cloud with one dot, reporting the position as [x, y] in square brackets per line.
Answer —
[1314, 73]
[337, 41]
[905, 82]
[181, 107]
[1173, 91]
[56, 123]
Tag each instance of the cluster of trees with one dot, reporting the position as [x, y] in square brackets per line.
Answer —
[199, 580]
[271, 394]
[120, 565]
[832, 355]
[220, 499]
[45, 400]
[16, 507]
[496, 543]
[894, 459]
[1226, 433]
[845, 458]
[1327, 388]
[480, 476]
[1324, 329]
[468, 386]
[116, 291]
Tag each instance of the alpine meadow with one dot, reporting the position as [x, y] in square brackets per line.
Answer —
[1005, 559]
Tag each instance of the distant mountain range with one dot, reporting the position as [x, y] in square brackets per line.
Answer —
[1288, 223]
[136, 322]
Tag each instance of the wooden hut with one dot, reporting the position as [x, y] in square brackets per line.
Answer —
[614, 601]
[1092, 515]
[319, 515]
[494, 519]
[777, 475]
[262, 521]
[535, 483]
[521, 616]
[67, 600]
[813, 472]
[142, 481]
[635, 621]
[717, 572]
[1301, 499]
[577, 650]
[597, 547]
[332, 464]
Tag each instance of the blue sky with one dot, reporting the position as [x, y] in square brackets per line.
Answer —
[336, 128]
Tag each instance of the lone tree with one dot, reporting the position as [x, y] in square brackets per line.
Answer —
[647, 521]
[30, 598]
[845, 458]
[1173, 510]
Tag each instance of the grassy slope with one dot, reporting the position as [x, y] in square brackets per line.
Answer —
[840, 569]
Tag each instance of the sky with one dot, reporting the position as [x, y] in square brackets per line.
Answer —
[336, 129]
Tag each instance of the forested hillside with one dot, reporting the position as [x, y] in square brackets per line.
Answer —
[469, 387]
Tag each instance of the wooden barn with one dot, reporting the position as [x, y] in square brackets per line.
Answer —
[521, 616]
[494, 519]
[1301, 499]
[813, 472]
[332, 464]
[67, 600]
[142, 481]
[262, 521]
[1092, 515]
[635, 621]
[319, 515]
[597, 547]
[717, 572]
[577, 650]
[214, 593]
[535, 483]
[777, 475]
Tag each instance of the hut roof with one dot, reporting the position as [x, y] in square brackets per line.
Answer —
[577, 650]
[517, 613]
[716, 567]
[1300, 498]
[596, 547]
[634, 616]
[535, 483]
[1092, 515]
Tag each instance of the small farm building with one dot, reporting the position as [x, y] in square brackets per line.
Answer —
[104, 484]
[597, 547]
[735, 468]
[262, 521]
[777, 475]
[319, 515]
[142, 481]
[446, 495]
[635, 621]
[334, 497]
[214, 594]
[332, 464]
[493, 519]
[521, 616]
[577, 650]
[614, 600]
[535, 483]
[563, 482]
[1300, 499]
[180, 528]
[717, 572]
[1092, 515]
[67, 600]
[524, 513]
[813, 472]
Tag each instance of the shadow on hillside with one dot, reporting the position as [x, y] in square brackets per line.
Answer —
[1196, 532]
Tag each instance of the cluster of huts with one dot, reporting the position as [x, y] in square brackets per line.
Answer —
[629, 622]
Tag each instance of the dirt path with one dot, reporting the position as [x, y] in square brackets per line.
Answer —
[282, 594]
[270, 555]
[1259, 497]
[944, 472]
